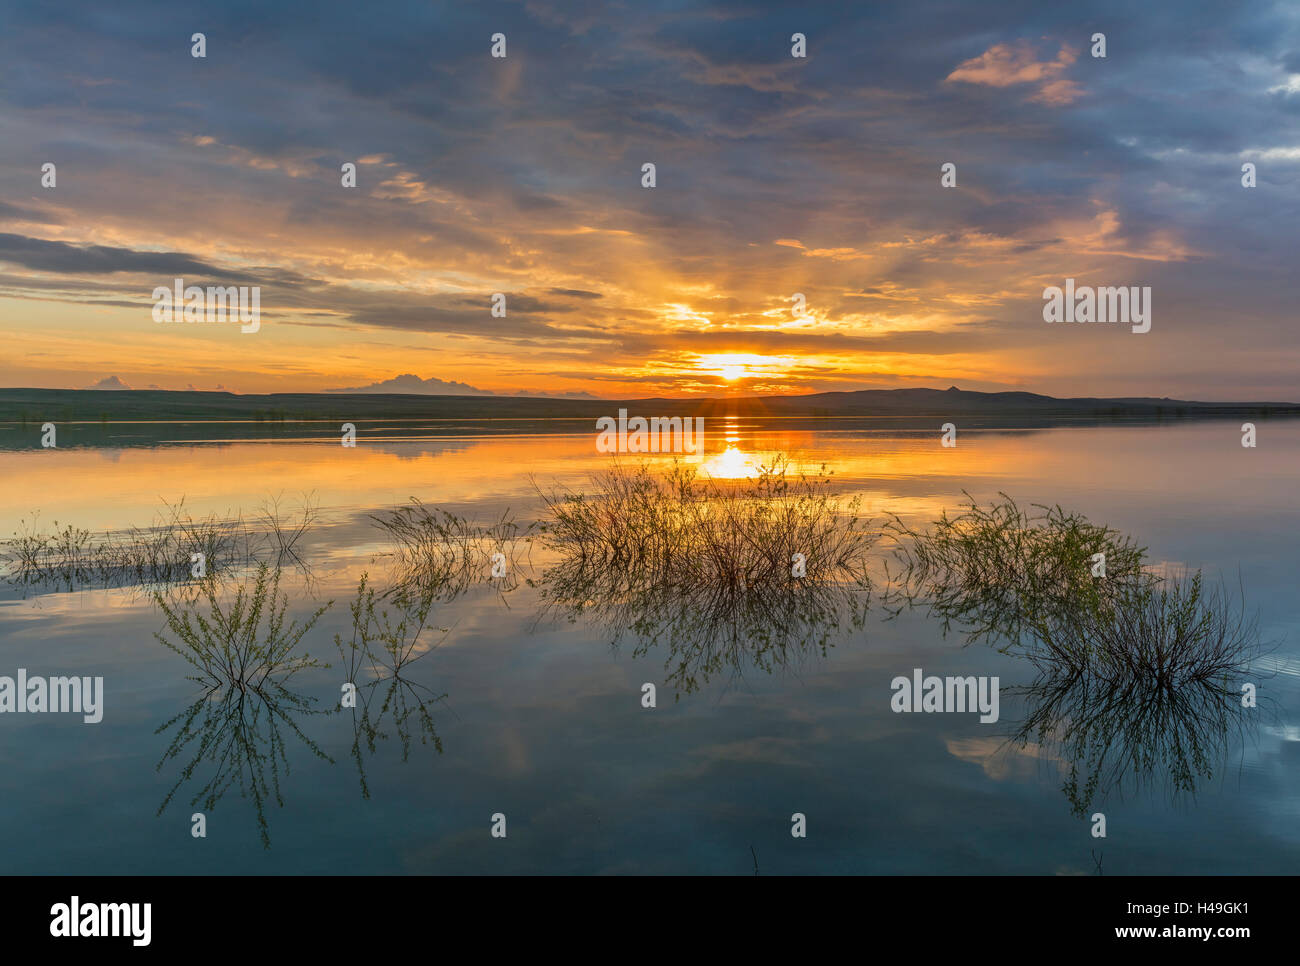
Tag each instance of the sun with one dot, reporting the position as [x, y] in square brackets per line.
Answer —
[736, 365]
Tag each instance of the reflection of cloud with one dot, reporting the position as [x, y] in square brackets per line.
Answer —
[1000, 759]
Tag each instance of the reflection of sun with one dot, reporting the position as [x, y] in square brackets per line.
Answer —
[730, 464]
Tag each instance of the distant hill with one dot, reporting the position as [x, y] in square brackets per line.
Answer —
[39, 405]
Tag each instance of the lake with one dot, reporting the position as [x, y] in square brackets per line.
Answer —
[515, 710]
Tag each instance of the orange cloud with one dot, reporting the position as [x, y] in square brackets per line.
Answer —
[1006, 65]
[837, 254]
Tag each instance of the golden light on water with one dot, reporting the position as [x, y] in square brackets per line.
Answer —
[731, 464]
[388, 473]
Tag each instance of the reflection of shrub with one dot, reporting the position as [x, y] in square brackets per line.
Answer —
[1166, 634]
[1114, 727]
[237, 738]
[675, 529]
[385, 645]
[710, 628]
[405, 705]
[244, 644]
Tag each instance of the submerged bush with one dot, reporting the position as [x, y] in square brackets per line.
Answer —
[1026, 582]
[383, 638]
[1001, 573]
[439, 553]
[676, 529]
[243, 644]
[707, 569]
[1167, 633]
[161, 553]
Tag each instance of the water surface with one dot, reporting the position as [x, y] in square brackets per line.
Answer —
[541, 719]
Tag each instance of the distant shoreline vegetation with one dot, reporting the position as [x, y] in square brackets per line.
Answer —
[24, 407]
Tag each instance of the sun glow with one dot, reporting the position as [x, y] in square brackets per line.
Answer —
[733, 366]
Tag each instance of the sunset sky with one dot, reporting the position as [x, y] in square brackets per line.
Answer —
[775, 175]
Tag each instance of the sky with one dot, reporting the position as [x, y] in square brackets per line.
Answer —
[774, 175]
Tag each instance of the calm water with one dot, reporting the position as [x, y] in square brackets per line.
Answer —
[541, 719]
